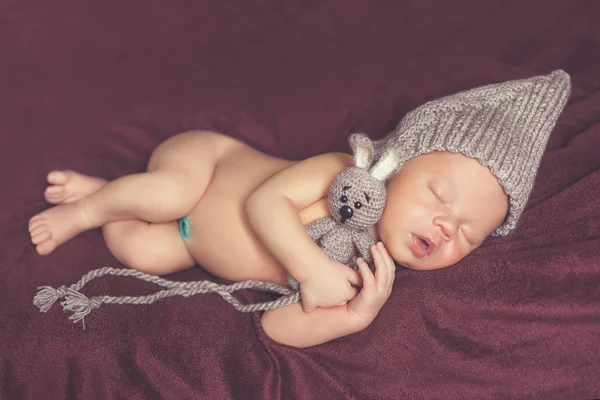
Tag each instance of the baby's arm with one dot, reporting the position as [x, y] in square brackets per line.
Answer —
[273, 212]
[292, 326]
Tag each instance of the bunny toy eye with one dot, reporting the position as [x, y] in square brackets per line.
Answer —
[344, 199]
[357, 205]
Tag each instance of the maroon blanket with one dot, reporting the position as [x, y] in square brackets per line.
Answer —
[95, 86]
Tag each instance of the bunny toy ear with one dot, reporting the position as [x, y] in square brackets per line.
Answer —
[362, 149]
[387, 164]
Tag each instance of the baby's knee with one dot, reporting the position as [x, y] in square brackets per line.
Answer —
[141, 263]
[121, 239]
[153, 249]
[144, 261]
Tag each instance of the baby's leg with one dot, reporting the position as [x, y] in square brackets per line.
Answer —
[179, 172]
[151, 248]
[158, 196]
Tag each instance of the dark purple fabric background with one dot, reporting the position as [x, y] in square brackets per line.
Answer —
[95, 86]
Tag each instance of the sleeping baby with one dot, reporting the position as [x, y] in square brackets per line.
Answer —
[467, 163]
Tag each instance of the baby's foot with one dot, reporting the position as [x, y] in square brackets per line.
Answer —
[51, 228]
[69, 186]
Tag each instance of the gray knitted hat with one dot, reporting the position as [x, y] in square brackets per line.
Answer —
[505, 126]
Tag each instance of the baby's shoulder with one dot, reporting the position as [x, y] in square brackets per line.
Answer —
[345, 159]
[319, 170]
[309, 180]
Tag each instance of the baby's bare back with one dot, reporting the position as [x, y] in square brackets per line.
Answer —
[221, 240]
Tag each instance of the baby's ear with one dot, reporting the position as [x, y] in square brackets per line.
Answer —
[387, 164]
[362, 149]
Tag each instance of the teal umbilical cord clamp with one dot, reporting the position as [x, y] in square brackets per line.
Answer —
[184, 227]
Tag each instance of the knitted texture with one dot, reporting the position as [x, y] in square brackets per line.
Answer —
[356, 202]
[505, 126]
[356, 190]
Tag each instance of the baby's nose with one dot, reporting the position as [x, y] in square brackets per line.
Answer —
[447, 226]
[346, 212]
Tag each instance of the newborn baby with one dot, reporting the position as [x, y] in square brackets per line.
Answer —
[468, 162]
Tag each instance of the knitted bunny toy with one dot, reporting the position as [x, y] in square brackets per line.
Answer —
[356, 202]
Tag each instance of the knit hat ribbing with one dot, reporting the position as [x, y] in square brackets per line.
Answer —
[505, 126]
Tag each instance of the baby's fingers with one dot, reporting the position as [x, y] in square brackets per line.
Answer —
[368, 280]
[381, 269]
[391, 267]
[385, 255]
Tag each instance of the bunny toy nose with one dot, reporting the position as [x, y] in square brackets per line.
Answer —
[346, 213]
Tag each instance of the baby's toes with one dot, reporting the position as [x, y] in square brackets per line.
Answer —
[55, 194]
[37, 229]
[40, 237]
[57, 177]
[35, 221]
[46, 247]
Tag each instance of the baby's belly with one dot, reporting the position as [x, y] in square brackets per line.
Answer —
[221, 240]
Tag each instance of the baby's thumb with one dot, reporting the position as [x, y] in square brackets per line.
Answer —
[354, 277]
[308, 307]
[353, 291]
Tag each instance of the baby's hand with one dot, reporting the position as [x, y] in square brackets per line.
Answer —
[332, 286]
[375, 289]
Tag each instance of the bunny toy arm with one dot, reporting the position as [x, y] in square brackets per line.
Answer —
[320, 227]
[363, 242]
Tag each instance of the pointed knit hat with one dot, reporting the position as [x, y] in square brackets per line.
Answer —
[505, 126]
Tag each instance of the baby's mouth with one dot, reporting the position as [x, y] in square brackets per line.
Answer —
[421, 246]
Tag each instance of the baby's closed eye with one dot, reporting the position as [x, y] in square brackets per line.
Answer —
[443, 192]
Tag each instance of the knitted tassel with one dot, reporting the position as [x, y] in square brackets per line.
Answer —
[80, 304]
[47, 296]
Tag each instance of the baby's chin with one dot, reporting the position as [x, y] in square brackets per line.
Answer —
[423, 264]
[421, 267]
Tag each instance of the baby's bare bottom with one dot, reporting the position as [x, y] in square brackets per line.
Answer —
[136, 212]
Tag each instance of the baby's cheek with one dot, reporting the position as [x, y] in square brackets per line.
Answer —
[395, 249]
[450, 255]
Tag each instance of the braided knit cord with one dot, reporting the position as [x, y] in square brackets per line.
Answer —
[81, 305]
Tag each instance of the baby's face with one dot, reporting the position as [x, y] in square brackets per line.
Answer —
[440, 207]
